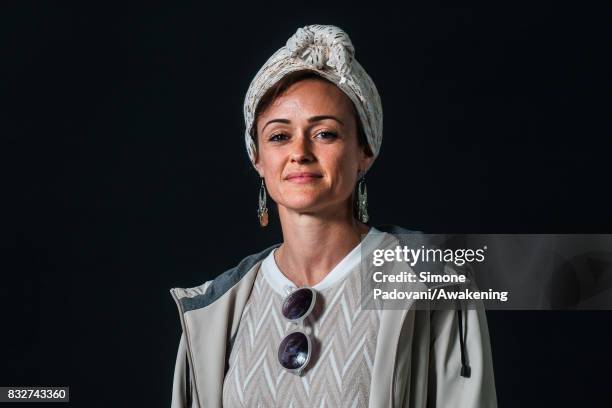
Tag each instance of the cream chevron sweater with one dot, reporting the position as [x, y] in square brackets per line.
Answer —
[344, 335]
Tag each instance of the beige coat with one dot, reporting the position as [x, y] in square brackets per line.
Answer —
[418, 361]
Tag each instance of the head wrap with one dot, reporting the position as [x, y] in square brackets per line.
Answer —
[327, 51]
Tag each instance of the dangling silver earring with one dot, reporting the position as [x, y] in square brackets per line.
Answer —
[262, 211]
[362, 199]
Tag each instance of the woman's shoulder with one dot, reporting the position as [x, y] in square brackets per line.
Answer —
[231, 276]
[211, 290]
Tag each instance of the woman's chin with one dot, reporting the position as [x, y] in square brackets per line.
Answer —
[306, 204]
[310, 205]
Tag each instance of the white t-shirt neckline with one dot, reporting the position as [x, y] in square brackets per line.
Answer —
[280, 283]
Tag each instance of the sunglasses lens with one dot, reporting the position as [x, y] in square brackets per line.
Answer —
[297, 304]
[293, 351]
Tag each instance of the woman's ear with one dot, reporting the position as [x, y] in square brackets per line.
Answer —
[259, 167]
[365, 161]
[257, 162]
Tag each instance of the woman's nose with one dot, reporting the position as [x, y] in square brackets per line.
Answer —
[301, 152]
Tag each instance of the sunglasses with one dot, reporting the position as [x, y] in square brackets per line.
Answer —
[295, 348]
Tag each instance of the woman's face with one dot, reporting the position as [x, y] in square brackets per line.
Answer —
[308, 150]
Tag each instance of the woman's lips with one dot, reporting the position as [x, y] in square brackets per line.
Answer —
[303, 177]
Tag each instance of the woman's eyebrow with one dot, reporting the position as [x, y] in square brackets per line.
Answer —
[286, 121]
[310, 120]
[323, 117]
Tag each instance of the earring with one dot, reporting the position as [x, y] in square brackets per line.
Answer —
[262, 211]
[362, 199]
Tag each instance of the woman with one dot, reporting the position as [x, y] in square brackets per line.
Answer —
[313, 129]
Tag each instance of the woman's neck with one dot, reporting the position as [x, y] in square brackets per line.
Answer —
[313, 245]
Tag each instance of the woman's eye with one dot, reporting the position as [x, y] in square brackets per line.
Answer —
[277, 137]
[327, 135]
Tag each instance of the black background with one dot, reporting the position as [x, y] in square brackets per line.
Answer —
[125, 171]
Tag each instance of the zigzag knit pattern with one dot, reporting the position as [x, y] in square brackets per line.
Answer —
[338, 374]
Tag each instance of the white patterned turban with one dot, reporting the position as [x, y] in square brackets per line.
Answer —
[327, 51]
